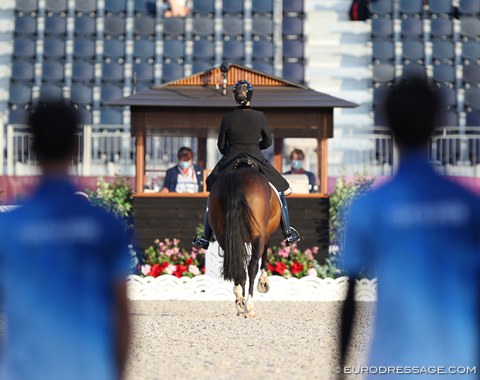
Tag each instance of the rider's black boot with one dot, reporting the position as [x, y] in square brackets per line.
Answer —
[290, 234]
[202, 240]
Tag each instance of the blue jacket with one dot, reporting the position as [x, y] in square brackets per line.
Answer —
[311, 180]
[171, 177]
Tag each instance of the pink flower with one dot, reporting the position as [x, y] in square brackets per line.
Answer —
[315, 250]
[157, 241]
[170, 269]
[312, 272]
[193, 255]
[284, 252]
[193, 269]
[309, 253]
[146, 269]
[176, 241]
[169, 252]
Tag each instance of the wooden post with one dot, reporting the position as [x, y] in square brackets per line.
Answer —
[140, 160]
[322, 164]
[278, 154]
[202, 151]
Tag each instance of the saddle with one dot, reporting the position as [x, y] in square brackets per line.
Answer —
[244, 161]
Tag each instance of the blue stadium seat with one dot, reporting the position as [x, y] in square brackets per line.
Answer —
[294, 72]
[20, 94]
[85, 116]
[203, 49]
[469, 6]
[383, 73]
[173, 49]
[233, 50]
[143, 72]
[292, 26]
[203, 7]
[379, 119]
[449, 97]
[56, 25]
[262, 49]
[413, 70]
[443, 73]
[114, 25]
[141, 86]
[441, 7]
[144, 48]
[263, 67]
[22, 70]
[25, 25]
[379, 95]
[24, 47]
[26, 6]
[411, 27]
[81, 94]
[17, 116]
[382, 27]
[51, 91]
[114, 48]
[293, 6]
[54, 48]
[293, 49]
[52, 71]
[472, 98]
[232, 7]
[198, 67]
[232, 26]
[473, 119]
[56, 6]
[443, 51]
[441, 27]
[383, 50]
[381, 7]
[448, 119]
[471, 74]
[115, 7]
[262, 7]
[144, 26]
[262, 26]
[111, 115]
[202, 26]
[172, 72]
[470, 27]
[411, 7]
[145, 7]
[112, 72]
[413, 51]
[110, 91]
[85, 25]
[83, 71]
[86, 6]
[84, 48]
[471, 50]
[174, 26]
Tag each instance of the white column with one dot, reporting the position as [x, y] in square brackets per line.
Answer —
[10, 152]
[87, 149]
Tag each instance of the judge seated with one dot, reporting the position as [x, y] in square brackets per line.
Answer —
[185, 177]
[297, 157]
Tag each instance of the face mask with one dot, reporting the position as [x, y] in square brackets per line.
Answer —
[297, 164]
[185, 164]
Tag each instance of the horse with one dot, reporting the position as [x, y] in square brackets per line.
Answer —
[244, 211]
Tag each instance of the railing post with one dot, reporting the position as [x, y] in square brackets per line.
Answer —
[10, 152]
[87, 149]
[395, 155]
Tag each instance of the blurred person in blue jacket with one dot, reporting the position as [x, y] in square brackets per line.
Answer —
[185, 177]
[420, 235]
[297, 158]
[63, 268]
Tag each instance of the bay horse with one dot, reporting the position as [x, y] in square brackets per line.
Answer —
[243, 212]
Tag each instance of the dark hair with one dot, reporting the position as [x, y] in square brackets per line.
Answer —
[54, 125]
[185, 153]
[298, 153]
[411, 109]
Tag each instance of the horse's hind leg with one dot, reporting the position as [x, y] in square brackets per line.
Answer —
[252, 272]
[239, 290]
[263, 286]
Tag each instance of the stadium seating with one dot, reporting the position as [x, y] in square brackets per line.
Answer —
[381, 8]
[469, 7]
[233, 7]
[439, 8]
[383, 50]
[413, 51]
[203, 50]
[262, 7]
[24, 47]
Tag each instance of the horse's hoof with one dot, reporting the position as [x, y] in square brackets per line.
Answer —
[263, 287]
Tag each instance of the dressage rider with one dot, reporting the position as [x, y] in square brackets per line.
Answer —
[243, 133]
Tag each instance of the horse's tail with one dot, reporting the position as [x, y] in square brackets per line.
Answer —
[238, 224]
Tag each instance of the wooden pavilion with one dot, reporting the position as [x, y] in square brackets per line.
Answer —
[194, 106]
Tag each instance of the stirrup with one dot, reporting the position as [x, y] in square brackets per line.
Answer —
[200, 242]
[292, 236]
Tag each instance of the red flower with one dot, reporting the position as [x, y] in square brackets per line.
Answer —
[156, 270]
[203, 269]
[270, 267]
[181, 269]
[296, 268]
[189, 261]
[280, 267]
